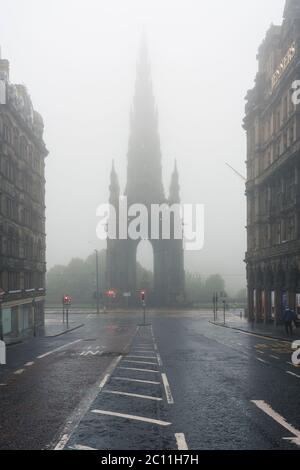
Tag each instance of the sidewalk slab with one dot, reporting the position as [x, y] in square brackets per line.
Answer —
[58, 328]
[269, 331]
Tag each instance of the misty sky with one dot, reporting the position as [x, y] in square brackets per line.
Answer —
[78, 60]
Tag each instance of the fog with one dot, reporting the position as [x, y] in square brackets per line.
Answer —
[78, 60]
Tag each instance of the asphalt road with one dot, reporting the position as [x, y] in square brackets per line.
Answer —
[178, 383]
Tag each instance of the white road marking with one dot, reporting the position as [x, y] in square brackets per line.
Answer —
[141, 357]
[159, 360]
[132, 417]
[133, 395]
[80, 447]
[58, 349]
[292, 373]
[83, 407]
[263, 406]
[29, 364]
[109, 371]
[136, 380]
[141, 362]
[19, 372]
[169, 396]
[181, 442]
[260, 352]
[274, 357]
[261, 360]
[3, 385]
[139, 370]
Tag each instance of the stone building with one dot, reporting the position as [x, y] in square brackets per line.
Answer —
[145, 186]
[22, 212]
[272, 123]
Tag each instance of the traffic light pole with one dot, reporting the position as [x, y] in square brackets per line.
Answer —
[97, 280]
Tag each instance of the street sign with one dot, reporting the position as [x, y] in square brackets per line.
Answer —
[127, 294]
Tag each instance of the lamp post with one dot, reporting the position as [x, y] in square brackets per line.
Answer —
[97, 281]
[1, 314]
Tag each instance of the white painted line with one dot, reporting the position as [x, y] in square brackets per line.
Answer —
[169, 397]
[274, 357]
[58, 349]
[294, 375]
[159, 360]
[141, 357]
[19, 372]
[141, 362]
[109, 371]
[139, 370]
[83, 407]
[134, 395]
[79, 447]
[278, 418]
[150, 382]
[261, 360]
[181, 442]
[29, 364]
[3, 385]
[260, 352]
[132, 417]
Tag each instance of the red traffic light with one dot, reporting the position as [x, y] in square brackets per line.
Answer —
[143, 295]
[67, 299]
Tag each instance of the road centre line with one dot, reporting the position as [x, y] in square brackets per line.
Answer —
[133, 395]
[109, 371]
[181, 442]
[29, 364]
[167, 388]
[58, 349]
[263, 406]
[131, 417]
[127, 379]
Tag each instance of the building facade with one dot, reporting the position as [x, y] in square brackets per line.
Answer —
[272, 124]
[145, 186]
[22, 212]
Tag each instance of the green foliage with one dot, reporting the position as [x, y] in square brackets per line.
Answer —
[199, 290]
[78, 279]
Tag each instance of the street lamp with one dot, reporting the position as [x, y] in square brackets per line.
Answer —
[97, 277]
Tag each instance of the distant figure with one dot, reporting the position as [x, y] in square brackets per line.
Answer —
[241, 315]
[289, 317]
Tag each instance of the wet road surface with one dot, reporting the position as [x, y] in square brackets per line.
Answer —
[178, 383]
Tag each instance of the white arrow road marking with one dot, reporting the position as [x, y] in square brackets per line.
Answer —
[167, 387]
[181, 442]
[132, 417]
[279, 419]
[133, 395]
[58, 349]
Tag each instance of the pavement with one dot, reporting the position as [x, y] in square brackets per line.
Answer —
[178, 383]
[56, 326]
[234, 321]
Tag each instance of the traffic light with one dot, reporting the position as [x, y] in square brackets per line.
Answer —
[143, 294]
